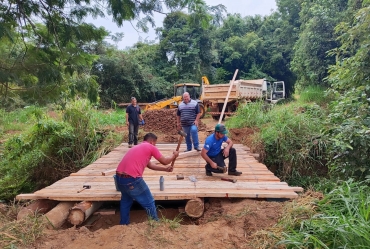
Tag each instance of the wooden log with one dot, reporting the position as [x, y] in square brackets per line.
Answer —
[195, 207]
[57, 216]
[80, 212]
[37, 207]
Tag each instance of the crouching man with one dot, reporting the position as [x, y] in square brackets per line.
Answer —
[215, 155]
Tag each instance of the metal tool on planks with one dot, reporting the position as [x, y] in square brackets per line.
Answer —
[228, 179]
[83, 188]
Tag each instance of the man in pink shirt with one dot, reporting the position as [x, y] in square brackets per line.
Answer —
[130, 176]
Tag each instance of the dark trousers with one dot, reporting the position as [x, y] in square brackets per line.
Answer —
[133, 131]
[220, 161]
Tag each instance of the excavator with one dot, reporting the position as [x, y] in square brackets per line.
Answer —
[195, 91]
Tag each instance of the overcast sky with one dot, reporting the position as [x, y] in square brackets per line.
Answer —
[131, 36]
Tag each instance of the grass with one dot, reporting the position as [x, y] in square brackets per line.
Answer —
[289, 137]
[314, 94]
[111, 117]
[14, 233]
[340, 220]
[17, 121]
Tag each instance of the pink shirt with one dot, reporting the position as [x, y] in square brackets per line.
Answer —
[137, 158]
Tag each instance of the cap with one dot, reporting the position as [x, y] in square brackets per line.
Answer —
[221, 128]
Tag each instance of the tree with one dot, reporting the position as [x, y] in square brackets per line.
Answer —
[349, 78]
[52, 35]
[317, 37]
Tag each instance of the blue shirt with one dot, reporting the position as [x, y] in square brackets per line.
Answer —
[213, 145]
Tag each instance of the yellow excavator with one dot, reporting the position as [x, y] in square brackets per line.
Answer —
[195, 91]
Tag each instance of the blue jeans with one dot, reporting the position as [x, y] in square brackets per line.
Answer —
[191, 134]
[135, 189]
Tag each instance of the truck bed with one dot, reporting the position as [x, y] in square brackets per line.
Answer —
[241, 89]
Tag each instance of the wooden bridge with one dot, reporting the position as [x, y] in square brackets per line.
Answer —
[255, 182]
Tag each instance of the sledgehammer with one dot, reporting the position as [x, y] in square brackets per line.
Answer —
[182, 135]
[228, 179]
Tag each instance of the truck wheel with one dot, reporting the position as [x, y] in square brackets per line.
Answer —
[202, 110]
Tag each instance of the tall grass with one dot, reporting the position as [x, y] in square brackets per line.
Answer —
[314, 94]
[289, 137]
[342, 220]
[52, 149]
[18, 121]
[112, 117]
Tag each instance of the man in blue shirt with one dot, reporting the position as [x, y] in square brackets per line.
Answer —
[188, 115]
[215, 155]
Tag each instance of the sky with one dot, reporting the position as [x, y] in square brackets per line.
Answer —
[131, 35]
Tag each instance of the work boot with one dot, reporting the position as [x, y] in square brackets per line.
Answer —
[130, 145]
[208, 173]
[187, 150]
[235, 173]
[198, 149]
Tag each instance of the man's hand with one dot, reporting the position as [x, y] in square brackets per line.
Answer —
[127, 123]
[196, 122]
[214, 165]
[226, 152]
[176, 154]
[168, 168]
[178, 126]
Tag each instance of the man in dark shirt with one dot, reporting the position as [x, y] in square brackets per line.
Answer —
[133, 119]
[188, 115]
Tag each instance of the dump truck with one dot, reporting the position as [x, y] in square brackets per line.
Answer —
[242, 91]
[194, 89]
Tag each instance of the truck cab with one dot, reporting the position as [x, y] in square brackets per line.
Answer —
[273, 92]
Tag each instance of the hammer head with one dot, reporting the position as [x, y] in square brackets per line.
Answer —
[86, 186]
[182, 133]
[229, 179]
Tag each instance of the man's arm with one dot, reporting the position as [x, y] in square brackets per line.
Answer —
[167, 160]
[141, 116]
[127, 118]
[157, 167]
[196, 122]
[207, 159]
[228, 147]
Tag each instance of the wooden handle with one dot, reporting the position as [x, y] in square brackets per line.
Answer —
[79, 191]
[177, 149]
[227, 96]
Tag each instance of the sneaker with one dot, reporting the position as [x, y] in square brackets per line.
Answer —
[130, 145]
[208, 173]
[198, 149]
[235, 173]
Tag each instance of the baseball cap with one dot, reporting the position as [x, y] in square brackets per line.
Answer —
[221, 128]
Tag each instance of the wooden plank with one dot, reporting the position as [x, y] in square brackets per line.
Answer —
[256, 182]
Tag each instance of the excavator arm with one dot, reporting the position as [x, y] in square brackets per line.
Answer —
[164, 103]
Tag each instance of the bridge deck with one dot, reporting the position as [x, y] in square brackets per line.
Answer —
[255, 182]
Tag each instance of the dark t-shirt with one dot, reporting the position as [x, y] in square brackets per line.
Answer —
[133, 114]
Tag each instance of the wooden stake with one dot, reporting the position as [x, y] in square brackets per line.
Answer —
[195, 207]
[227, 96]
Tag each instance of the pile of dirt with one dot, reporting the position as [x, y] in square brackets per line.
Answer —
[164, 121]
[242, 135]
[227, 223]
